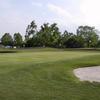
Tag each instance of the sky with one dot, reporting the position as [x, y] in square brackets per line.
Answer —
[15, 15]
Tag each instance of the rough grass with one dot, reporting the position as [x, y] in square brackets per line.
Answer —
[46, 75]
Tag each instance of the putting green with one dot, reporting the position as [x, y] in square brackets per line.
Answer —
[46, 75]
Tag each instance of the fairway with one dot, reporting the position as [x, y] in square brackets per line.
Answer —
[46, 74]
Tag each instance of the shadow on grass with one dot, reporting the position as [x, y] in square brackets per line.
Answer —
[8, 51]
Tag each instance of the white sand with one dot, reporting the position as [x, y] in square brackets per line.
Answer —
[91, 74]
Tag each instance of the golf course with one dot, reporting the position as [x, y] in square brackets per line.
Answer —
[46, 74]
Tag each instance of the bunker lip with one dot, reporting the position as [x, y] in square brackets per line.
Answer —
[91, 74]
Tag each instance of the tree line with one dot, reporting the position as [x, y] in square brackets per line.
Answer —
[49, 35]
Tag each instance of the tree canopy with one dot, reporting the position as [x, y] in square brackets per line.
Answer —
[49, 35]
[88, 35]
[18, 41]
[7, 40]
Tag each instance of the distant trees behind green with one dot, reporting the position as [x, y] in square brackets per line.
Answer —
[49, 35]
[8, 40]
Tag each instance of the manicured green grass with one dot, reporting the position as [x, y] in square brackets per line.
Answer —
[46, 74]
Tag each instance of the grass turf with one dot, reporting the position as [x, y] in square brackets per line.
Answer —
[46, 74]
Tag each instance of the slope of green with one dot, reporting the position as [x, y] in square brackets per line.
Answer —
[46, 75]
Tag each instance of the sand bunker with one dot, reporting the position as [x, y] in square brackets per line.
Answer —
[91, 74]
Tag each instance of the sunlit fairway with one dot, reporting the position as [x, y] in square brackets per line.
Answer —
[46, 74]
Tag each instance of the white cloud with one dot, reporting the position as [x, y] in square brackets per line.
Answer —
[90, 10]
[67, 15]
[62, 16]
[66, 19]
[59, 10]
[13, 21]
[4, 4]
[88, 14]
[38, 4]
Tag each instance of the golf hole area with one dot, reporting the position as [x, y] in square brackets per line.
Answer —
[91, 74]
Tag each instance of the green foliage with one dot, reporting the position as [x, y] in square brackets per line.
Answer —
[89, 35]
[7, 40]
[73, 42]
[30, 31]
[18, 41]
[55, 35]
[49, 35]
[44, 35]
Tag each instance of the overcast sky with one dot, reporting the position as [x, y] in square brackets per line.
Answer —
[15, 15]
